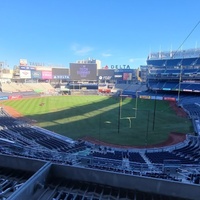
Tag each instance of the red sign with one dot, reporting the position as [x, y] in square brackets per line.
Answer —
[15, 97]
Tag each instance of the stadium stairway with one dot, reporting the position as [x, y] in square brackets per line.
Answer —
[148, 162]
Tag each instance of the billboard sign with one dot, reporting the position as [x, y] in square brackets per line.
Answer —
[123, 74]
[127, 76]
[83, 71]
[144, 97]
[60, 73]
[15, 97]
[3, 97]
[25, 74]
[169, 98]
[46, 75]
[36, 74]
[60, 77]
[120, 67]
[105, 77]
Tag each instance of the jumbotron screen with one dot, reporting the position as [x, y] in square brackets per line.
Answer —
[83, 71]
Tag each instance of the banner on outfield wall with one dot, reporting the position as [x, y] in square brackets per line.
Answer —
[187, 90]
[46, 75]
[145, 97]
[25, 74]
[169, 98]
[4, 98]
[15, 97]
[156, 97]
[36, 74]
[166, 89]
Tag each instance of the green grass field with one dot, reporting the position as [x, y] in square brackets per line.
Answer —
[104, 118]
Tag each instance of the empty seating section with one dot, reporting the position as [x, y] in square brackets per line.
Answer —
[26, 87]
[7, 121]
[10, 180]
[173, 62]
[193, 109]
[6, 135]
[170, 85]
[116, 155]
[173, 86]
[175, 72]
[47, 141]
[157, 62]
[26, 136]
[160, 157]
[136, 157]
[66, 189]
[120, 155]
[168, 61]
[189, 151]
[163, 85]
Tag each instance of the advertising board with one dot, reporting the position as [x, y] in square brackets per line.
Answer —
[46, 75]
[26, 74]
[60, 73]
[36, 74]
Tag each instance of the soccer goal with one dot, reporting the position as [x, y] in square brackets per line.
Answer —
[128, 109]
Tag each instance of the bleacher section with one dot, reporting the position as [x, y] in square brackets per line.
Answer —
[13, 87]
[174, 71]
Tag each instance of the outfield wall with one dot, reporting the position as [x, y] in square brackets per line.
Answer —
[12, 96]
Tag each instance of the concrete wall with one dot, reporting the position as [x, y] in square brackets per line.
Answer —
[42, 171]
[145, 184]
[20, 163]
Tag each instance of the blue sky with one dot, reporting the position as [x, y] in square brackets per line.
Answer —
[117, 32]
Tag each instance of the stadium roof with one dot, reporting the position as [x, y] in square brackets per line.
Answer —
[189, 53]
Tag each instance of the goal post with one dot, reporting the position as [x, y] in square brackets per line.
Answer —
[133, 115]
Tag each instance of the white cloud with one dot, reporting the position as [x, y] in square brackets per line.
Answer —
[81, 50]
[106, 54]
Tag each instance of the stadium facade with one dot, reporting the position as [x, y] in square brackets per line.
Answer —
[83, 74]
[38, 164]
[174, 71]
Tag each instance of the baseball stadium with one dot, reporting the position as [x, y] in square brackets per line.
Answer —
[87, 132]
